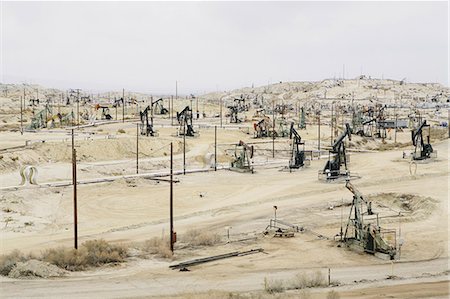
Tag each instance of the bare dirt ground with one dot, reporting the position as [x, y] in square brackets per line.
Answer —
[130, 209]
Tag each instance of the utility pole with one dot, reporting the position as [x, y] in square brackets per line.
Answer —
[21, 115]
[220, 107]
[184, 147]
[395, 133]
[215, 148]
[123, 105]
[78, 107]
[74, 182]
[137, 148]
[318, 137]
[171, 112]
[332, 124]
[172, 233]
[273, 129]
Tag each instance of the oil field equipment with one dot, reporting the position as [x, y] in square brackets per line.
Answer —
[158, 107]
[146, 126]
[39, 119]
[185, 121]
[297, 159]
[363, 231]
[332, 169]
[422, 150]
[262, 127]
[105, 112]
[243, 153]
[233, 112]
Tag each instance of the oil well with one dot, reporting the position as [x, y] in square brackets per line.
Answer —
[363, 231]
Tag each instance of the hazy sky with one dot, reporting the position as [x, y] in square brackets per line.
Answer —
[146, 46]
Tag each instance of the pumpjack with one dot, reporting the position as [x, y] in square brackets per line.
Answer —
[185, 121]
[297, 159]
[234, 117]
[262, 127]
[40, 119]
[243, 154]
[146, 126]
[361, 232]
[105, 112]
[422, 150]
[332, 169]
[158, 107]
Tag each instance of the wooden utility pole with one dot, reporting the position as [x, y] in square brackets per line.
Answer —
[171, 112]
[332, 124]
[215, 148]
[220, 107]
[21, 116]
[395, 133]
[172, 233]
[123, 105]
[318, 137]
[74, 182]
[137, 148]
[273, 129]
[184, 147]
[78, 107]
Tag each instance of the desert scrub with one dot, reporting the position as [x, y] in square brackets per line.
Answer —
[302, 281]
[196, 237]
[9, 261]
[91, 254]
[157, 246]
[272, 286]
[121, 131]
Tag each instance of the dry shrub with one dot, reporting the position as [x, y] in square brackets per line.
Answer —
[195, 237]
[272, 286]
[90, 254]
[437, 133]
[302, 281]
[333, 295]
[121, 131]
[158, 246]
[9, 261]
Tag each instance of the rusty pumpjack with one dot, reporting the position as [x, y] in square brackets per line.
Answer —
[146, 126]
[297, 159]
[363, 235]
[332, 169]
[422, 150]
[243, 153]
[263, 127]
[185, 121]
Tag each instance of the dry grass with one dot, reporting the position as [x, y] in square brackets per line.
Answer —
[273, 286]
[302, 281]
[195, 237]
[9, 261]
[438, 133]
[157, 246]
[91, 254]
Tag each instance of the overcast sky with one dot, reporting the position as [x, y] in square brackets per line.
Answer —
[147, 46]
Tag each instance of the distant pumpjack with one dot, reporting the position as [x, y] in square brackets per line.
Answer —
[158, 107]
[185, 121]
[146, 126]
[297, 159]
[332, 168]
[243, 154]
[422, 150]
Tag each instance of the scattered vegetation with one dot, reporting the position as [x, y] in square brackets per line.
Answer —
[90, 254]
[195, 237]
[9, 261]
[302, 281]
[121, 131]
[272, 286]
[157, 246]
